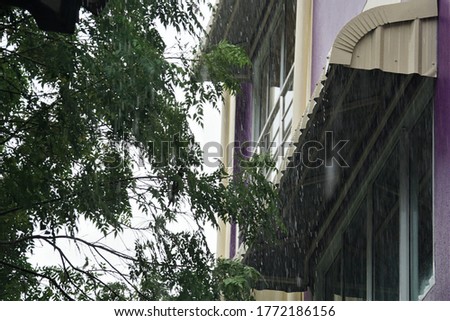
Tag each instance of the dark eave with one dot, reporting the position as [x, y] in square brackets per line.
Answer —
[238, 22]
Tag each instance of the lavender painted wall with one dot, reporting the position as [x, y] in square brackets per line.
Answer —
[329, 17]
[242, 134]
[243, 128]
[441, 290]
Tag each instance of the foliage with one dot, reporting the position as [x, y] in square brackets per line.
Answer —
[254, 209]
[221, 64]
[92, 132]
[236, 280]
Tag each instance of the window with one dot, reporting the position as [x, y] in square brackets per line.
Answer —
[421, 196]
[273, 76]
[333, 281]
[386, 242]
[351, 283]
[355, 257]
[385, 249]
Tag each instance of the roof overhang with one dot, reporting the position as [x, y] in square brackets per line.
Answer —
[238, 22]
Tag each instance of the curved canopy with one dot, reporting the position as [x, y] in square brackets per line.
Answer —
[399, 38]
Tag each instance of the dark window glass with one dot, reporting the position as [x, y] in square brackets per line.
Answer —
[333, 280]
[262, 95]
[355, 260]
[274, 61]
[275, 64]
[386, 231]
[421, 204]
[290, 15]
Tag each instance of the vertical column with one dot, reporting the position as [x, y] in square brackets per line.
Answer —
[302, 72]
[227, 136]
[242, 135]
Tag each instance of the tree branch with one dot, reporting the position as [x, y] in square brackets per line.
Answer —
[40, 275]
[122, 275]
[11, 52]
[58, 199]
[91, 276]
[73, 238]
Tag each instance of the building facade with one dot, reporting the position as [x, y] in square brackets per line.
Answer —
[351, 100]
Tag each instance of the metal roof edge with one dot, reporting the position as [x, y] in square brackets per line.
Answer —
[364, 23]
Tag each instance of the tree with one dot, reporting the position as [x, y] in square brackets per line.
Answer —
[91, 127]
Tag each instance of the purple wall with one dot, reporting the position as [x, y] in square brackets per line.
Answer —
[242, 134]
[243, 122]
[330, 16]
[441, 290]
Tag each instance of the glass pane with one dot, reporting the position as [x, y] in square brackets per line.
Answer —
[275, 55]
[355, 260]
[290, 13]
[421, 205]
[333, 281]
[264, 95]
[288, 110]
[275, 65]
[386, 231]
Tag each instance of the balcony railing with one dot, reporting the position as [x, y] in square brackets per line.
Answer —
[275, 135]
